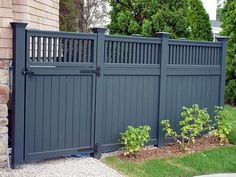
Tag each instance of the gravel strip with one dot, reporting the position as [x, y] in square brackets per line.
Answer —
[68, 167]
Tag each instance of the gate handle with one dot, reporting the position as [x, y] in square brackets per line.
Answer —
[27, 72]
[96, 71]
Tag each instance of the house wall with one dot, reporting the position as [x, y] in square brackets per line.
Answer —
[39, 14]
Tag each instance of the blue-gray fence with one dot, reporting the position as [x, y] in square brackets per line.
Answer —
[76, 92]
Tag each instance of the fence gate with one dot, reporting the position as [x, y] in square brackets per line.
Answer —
[60, 94]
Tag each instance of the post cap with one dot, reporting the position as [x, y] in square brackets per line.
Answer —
[162, 34]
[222, 38]
[99, 29]
[137, 35]
[19, 24]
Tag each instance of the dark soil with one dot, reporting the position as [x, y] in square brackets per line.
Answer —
[175, 149]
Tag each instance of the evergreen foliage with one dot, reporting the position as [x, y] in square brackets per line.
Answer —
[229, 29]
[200, 27]
[147, 17]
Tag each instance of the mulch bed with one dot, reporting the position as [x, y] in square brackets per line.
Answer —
[201, 144]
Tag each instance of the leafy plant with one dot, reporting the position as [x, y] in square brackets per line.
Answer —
[133, 139]
[222, 126]
[195, 121]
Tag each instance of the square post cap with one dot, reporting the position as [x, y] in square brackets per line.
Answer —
[162, 34]
[99, 29]
[18, 24]
[222, 38]
[137, 35]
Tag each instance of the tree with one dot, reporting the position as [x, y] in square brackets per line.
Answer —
[229, 29]
[218, 10]
[68, 15]
[91, 13]
[80, 15]
[200, 27]
[147, 17]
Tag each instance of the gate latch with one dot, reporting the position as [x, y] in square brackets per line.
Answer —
[96, 71]
[27, 72]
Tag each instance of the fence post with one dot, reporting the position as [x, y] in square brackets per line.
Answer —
[223, 40]
[99, 89]
[163, 83]
[18, 92]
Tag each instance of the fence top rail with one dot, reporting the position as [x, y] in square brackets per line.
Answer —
[132, 39]
[194, 43]
[59, 34]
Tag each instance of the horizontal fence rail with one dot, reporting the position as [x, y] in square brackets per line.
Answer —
[79, 91]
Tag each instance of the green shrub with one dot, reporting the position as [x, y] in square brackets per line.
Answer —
[133, 139]
[195, 121]
[221, 127]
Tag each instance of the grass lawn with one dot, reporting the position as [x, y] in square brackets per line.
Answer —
[232, 120]
[216, 160]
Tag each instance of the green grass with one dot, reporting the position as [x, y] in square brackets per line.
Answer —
[218, 160]
[232, 120]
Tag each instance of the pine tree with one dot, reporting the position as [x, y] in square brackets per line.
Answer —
[68, 15]
[200, 27]
[147, 17]
[229, 29]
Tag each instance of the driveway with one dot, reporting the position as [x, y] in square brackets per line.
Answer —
[68, 167]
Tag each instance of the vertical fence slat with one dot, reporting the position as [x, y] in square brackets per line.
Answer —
[89, 51]
[49, 49]
[130, 53]
[118, 53]
[70, 50]
[109, 52]
[59, 49]
[65, 50]
[39, 49]
[106, 53]
[54, 49]
[126, 52]
[44, 49]
[113, 60]
[74, 50]
[33, 48]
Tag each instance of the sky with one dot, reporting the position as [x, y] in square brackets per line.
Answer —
[210, 6]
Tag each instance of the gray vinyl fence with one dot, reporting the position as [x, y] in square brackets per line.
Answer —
[76, 92]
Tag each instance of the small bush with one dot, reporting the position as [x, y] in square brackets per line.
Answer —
[133, 139]
[195, 121]
[221, 127]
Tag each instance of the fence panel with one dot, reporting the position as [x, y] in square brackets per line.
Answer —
[79, 91]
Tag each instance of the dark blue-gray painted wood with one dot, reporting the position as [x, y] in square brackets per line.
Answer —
[163, 85]
[99, 58]
[81, 90]
[18, 92]
[222, 61]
